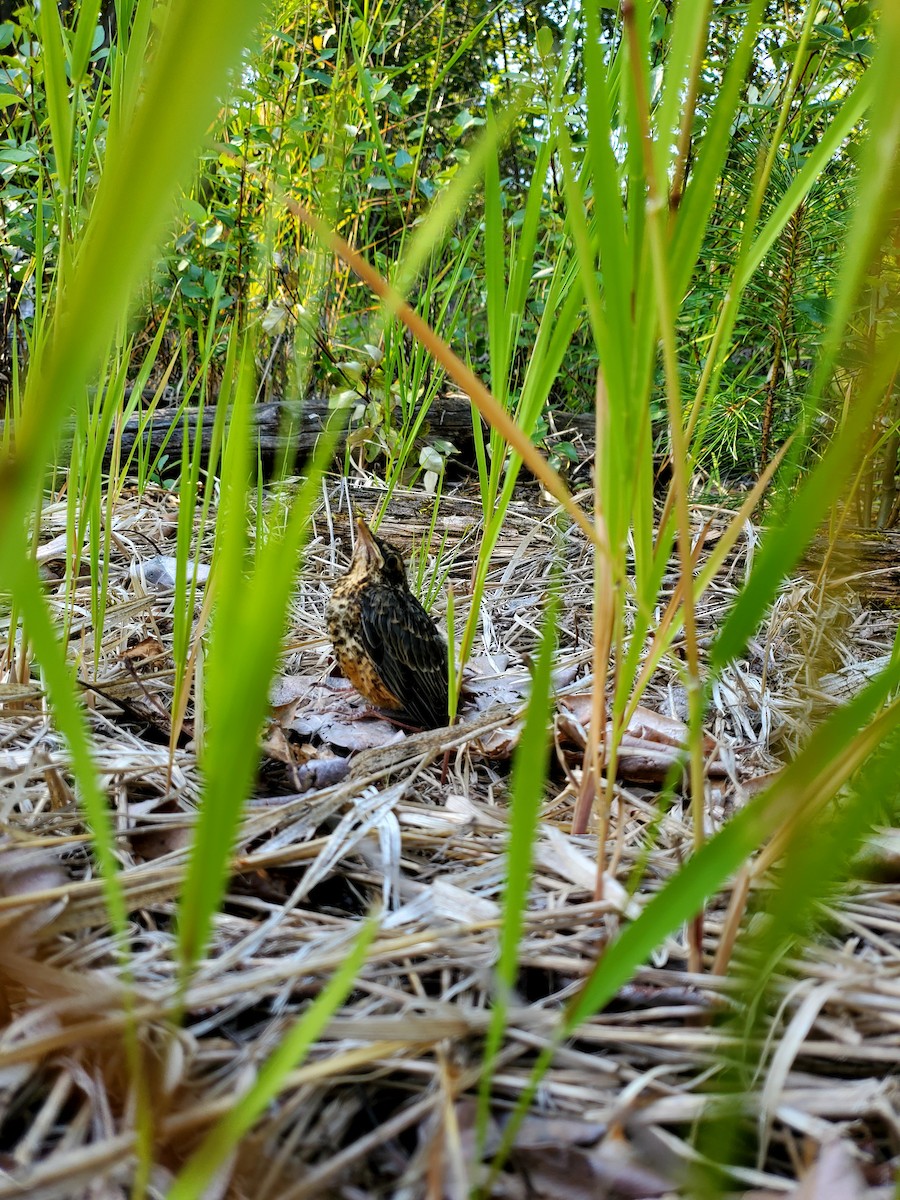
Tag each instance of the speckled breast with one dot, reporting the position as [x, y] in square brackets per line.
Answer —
[342, 616]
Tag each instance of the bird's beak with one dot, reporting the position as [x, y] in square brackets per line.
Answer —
[366, 546]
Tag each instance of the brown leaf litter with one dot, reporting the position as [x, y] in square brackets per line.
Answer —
[383, 1103]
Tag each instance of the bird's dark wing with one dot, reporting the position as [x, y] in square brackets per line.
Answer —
[409, 653]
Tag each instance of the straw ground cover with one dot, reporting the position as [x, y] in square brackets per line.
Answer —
[381, 1104]
[397, 978]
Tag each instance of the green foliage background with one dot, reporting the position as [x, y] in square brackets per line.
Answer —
[368, 114]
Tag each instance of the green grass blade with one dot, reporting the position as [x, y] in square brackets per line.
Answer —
[245, 642]
[498, 326]
[686, 892]
[809, 506]
[688, 40]
[805, 509]
[699, 195]
[452, 199]
[876, 194]
[526, 793]
[838, 130]
[88, 15]
[610, 228]
[69, 714]
[200, 41]
[56, 85]
[226, 783]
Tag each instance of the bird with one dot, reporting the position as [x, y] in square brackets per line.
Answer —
[385, 642]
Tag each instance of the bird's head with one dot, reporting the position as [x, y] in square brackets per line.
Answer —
[374, 557]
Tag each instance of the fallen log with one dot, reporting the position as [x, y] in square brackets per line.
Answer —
[287, 431]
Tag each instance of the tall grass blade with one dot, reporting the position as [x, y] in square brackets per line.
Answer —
[809, 506]
[526, 793]
[57, 90]
[248, 625]
[199, 42]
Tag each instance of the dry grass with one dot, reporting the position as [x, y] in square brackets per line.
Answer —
[381, 1107]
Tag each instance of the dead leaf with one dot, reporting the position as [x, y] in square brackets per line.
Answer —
[367, 733]
[308, 706]
[56, 548]
[155, 840]
[322, 772]
[500, 743]
[565, 1160]
[35, 869]
[649, 748]
[158, 574]
[288, 690]
[146, 649]
[835, 1176]
[25, 872]
[276, 746]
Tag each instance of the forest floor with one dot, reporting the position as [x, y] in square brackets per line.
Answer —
[383, 1104]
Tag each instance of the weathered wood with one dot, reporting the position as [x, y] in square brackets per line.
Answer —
[282, 428]
[865, 560]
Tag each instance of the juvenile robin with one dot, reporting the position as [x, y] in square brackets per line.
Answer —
[385, 642]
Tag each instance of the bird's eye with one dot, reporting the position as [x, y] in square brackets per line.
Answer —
[394, 569]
